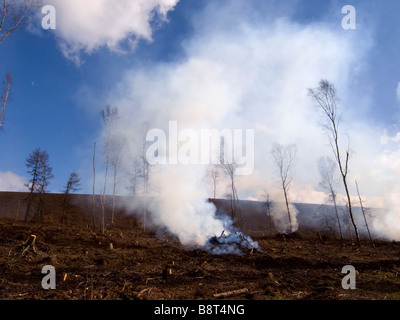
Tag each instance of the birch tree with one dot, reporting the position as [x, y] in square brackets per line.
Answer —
[285, 157]
[229, 169]
[215, 173]
[110, 117]
[364, 212]
[325, 98]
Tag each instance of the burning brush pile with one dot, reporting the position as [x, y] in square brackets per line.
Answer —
[232, 243]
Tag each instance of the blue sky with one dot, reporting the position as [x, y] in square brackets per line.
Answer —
[57, 96]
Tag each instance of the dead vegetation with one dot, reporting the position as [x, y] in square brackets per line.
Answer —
[131, 264]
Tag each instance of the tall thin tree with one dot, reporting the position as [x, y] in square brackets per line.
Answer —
[117, 144]
[145, 171]
[268, 210]
[215, 174]
[40, 172]
[73, 185]
[326, 99]
[363, 210]
[230, 171]
[134, 176]
[94, 186]
[44, 178]
[285, 157]
[33, 165]
[110, 117]
[326, 167]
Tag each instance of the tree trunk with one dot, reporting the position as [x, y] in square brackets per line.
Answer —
[113, 202]
[365, 218]
[94, 183]
[103, 201]
[288, 210]
[351, 213]
[337, 214]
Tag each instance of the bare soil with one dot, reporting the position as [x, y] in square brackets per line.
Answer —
[148, 266]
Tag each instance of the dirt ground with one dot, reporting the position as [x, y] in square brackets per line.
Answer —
[145, 266]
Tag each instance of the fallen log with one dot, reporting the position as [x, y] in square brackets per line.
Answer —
[231, 293]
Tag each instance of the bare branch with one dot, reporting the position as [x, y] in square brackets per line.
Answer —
[4, 98]
[13, 13]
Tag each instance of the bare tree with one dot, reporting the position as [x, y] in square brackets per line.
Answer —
[327, 221]
[40, 171]
[71, 186]
[326, 167]
[116, 148]
[43, 181]
[345, 210]
[229, 166]
[215, 173]
[33, 165]
[13, 13]
[325, 97]
[285, 157]
[94, 186]
[110, 117]
[145, 171]
[229, 169]
[268, 210]
[364, 215]
[134, 176]
[4, 98]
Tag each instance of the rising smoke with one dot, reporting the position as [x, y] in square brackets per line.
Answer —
[182, 207]
[250, 82]
[244, 76]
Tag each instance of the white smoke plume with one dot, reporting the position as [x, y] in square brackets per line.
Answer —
[182, 206]
[280, 217]
[248, 75]
[386, 222]
[251, 80]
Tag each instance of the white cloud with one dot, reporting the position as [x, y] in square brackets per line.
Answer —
[88, 25]
[11, 182]
[387, 139]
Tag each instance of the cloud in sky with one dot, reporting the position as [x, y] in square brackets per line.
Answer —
[11, 182]
[85, 26]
